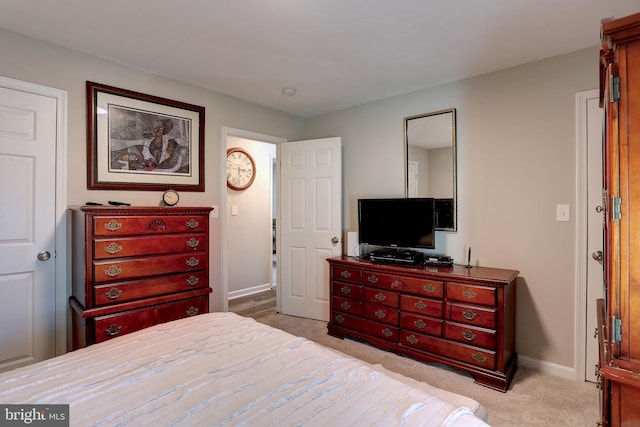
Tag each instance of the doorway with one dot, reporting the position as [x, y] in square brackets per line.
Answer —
[248, 217]
[589, 231]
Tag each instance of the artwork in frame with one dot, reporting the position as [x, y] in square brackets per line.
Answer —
[142, 142]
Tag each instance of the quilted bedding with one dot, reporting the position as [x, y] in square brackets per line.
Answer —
[222, 369]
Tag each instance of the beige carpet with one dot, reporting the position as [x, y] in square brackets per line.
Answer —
[534, 398]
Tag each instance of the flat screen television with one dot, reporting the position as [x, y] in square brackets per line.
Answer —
[401, 223]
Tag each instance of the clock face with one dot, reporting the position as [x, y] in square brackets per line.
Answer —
[170, 198]
[241, 169]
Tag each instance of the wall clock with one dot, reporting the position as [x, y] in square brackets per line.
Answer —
[241, 169]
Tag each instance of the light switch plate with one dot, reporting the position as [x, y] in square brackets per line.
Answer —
[563, 212]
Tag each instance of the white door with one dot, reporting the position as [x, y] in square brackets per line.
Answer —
[310, 224]
[594, 231]
[27, 227]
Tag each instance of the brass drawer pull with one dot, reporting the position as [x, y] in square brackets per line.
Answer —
[113, 225]
[113, 271]
[192, 223]
[468, 335]
[113, 330]
[412, 339]
[479, 357]
[192, 311]
[420, 305]
[380, 297]
[345, 305]
[469, 293]
[112, 248]
[373, 279]
[113, 293]
[192, 281]
[345, 290]
[345, 274]
[193, 243]
[339, 319]
[193, 261]
[380, 314]
[469, 314]
[397, 283]
[429, 288]
[419, 324]
[387, 332]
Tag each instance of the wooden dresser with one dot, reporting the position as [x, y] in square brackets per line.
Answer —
[135, 267]
[619, 312]
[461, 317]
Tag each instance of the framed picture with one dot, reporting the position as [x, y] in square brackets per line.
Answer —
[142, 142]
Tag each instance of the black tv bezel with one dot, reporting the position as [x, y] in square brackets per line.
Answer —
[402, 203]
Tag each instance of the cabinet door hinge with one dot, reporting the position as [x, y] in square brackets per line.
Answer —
[616, 329]
[614, 88]
[616, 208]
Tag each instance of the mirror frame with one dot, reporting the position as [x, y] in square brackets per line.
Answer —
[452, 111]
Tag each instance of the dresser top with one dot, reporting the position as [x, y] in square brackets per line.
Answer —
[143, 210]
[455, 272]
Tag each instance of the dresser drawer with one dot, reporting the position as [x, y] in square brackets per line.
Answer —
[471, 294]
[151, 224]
[472, 315]
[485, 338]
[111, 293]
[352, 275]
[426, 306]
[449, 349]
[376, 329]
[148, 245]
[418, 323]
[130, 268]
[347, 305]
[430, 288]
[380, 296]
[347, 290]
[381, 313]
[110, 326]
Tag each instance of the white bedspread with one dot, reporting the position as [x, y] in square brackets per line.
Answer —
[223, 369]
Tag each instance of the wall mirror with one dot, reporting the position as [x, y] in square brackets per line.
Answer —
[430, 163]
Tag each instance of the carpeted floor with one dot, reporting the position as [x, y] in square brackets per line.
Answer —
[534, 398]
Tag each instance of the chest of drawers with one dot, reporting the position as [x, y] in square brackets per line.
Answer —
[135, 267]
[461, 317]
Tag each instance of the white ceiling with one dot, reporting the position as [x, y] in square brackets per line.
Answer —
[336, 53]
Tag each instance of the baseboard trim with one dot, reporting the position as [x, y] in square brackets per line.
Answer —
[547, 367]
[249, 291]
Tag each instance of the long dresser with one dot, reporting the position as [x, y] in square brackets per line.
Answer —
[458, 316]
[134, 267]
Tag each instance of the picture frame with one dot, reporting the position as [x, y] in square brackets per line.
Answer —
[137, 141]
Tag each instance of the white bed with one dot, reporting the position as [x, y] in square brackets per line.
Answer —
[223, 369]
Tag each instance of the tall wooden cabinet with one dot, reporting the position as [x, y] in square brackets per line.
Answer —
[619, 327]
[135, 267]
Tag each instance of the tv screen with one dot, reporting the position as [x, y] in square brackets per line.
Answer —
[402, 223]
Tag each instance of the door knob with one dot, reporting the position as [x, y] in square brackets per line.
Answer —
[44, 256]
[597, 255]
[335, 241]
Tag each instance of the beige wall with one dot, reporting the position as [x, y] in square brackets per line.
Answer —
[516, 161]
[45, 64]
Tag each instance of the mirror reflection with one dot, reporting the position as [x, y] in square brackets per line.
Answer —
[430, 154]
